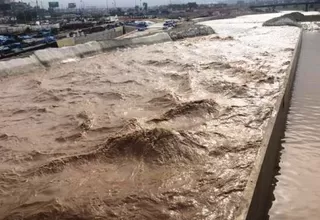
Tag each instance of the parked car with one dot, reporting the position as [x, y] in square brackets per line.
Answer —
[169, 23]
[4, 50]
[141, 26]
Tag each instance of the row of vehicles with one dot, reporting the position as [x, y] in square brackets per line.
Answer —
[140, 25]
[168, 24]
[12, 44]
[143, 25]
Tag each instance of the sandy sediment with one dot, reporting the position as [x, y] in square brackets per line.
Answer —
[166, 131]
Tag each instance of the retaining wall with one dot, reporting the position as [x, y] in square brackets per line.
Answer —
[152, 39]
[66, 42]
[129, 29]
[257, 195]
[51, 56]
[19, 66]
[100, 36]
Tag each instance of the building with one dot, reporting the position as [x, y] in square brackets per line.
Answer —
[5, 1]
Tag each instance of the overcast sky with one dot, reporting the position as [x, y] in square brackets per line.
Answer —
[119, 3]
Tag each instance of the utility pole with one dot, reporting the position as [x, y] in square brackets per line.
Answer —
[37, 6]
[81, 4]
[80, 8]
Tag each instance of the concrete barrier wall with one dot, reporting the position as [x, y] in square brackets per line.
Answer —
[128, 29]
[87, 49]
[100, 36]
[19, 66]
[66, 42]
[257, 195]
[152, 39]
[50, 56]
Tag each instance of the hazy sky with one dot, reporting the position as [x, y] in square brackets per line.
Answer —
[119, 3]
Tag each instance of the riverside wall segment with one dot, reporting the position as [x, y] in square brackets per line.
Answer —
[50, 56]
[257, 195]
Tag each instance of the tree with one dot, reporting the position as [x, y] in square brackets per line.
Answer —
[26, 16]
[145, 6]
[192, 5]
[136, 8]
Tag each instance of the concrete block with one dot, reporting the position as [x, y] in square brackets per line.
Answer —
[113, 44]
[82, 50]
[51, 55]
[100, 36]
[125, 42]
[19, 66]
[66, 42]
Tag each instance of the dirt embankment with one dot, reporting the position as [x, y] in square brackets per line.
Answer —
[291, 19]
[189, 30]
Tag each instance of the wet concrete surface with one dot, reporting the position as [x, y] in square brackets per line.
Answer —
[297, 193]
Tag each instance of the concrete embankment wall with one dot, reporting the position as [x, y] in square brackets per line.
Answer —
[52, 56]
[100, 36]
[19, 66]
[257, 195]
[128, 29]
[66, 42]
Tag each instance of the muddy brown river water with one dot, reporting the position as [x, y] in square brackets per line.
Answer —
[168, 131]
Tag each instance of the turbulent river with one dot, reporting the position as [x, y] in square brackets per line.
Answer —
[167, 131]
